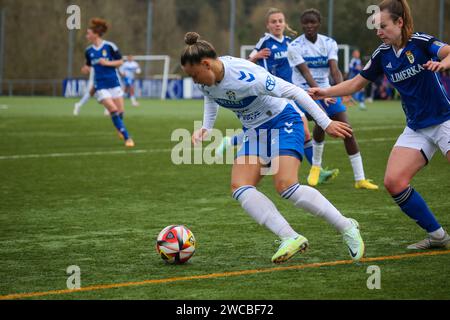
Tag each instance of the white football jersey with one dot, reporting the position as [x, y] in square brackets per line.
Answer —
[129, 69]
[253, 94]
[316, 56]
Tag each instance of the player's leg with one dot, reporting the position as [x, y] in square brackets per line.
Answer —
[324, 174]
[245, 176]
[403, 164]
[312, 201]
[118, 101]
[134, 102]
[318, 144]
[82, 102]
[107, 98]
[352, 148]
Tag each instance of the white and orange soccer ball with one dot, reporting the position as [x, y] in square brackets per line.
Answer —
[175, 244]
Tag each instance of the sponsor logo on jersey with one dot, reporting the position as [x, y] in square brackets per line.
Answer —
[439, 44]
[270, 83]
[389, 66]
[231, 95]
[410, 57]
[406, 74]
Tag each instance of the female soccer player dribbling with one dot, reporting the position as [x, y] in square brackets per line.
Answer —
[104, 57]
[254, 95]
[314, 58]
[410, 62]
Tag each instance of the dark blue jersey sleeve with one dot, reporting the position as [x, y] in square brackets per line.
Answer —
[429, 44]
[115, 53]
[373, 68]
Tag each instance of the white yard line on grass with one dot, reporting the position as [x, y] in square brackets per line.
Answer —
[120, 152]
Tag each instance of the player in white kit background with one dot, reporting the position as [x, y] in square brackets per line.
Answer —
[314, 58]
[261, 101]
[128, 71]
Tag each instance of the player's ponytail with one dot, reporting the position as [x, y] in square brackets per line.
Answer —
[196, 49]
[400, 9]
[98, 26]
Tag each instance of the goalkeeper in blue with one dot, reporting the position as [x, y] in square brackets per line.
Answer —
[274, 137]
[411, 61]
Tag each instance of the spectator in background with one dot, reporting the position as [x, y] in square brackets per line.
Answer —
[355, 68]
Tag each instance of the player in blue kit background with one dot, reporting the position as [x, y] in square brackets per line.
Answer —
[314, 58]
[271, 53]
[411, 62]
[262, 104]
[355, 69]
[105, 58]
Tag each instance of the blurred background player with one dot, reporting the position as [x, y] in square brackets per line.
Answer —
[355, 69]
[90, 91]
[258, 106]
[105, 58]
[271, 53]
[411, 62]
[128, 71]
[314, 57]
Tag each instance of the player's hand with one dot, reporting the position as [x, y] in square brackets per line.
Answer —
[103, 62]
[329, 101]
[339, 129]
[317, 93]
[347, 99]
[85, 69]
[263, 54]
[435, 66]
[198, 136]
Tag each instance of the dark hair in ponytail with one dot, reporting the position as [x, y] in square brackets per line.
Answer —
[400, 9]
[196, 49]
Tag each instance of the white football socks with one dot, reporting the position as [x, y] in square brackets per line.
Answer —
[438, 234]
[262, 209]
[317, 153]
[312, 201]
[357, 165]
[84, 99]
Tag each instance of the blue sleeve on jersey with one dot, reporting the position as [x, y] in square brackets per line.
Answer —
[429, 44]
[373, 69]
[435, 47]
[88, 58]
[115, 54]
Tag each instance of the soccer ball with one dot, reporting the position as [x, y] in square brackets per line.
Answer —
[175, 244]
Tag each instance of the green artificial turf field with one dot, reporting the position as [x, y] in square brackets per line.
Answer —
[71, 194]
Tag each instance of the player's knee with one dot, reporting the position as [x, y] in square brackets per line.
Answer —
[395, 185]
[281, 184]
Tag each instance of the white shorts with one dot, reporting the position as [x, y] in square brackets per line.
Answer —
[112, 93]
[427, 140]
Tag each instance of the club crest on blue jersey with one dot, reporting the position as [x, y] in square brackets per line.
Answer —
[270, 83]
[410, 56]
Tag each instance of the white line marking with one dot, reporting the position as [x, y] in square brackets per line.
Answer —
[119, 152]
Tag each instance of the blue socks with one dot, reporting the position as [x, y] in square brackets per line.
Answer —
[416, 208]
[118, 123]
[308, 147]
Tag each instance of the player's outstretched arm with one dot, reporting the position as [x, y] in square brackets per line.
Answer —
[345, 88]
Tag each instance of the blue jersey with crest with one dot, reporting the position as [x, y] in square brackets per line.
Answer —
[277, 64]
[424, 99]
[105, 77]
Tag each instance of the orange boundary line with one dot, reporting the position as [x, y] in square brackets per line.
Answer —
[219, 275]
